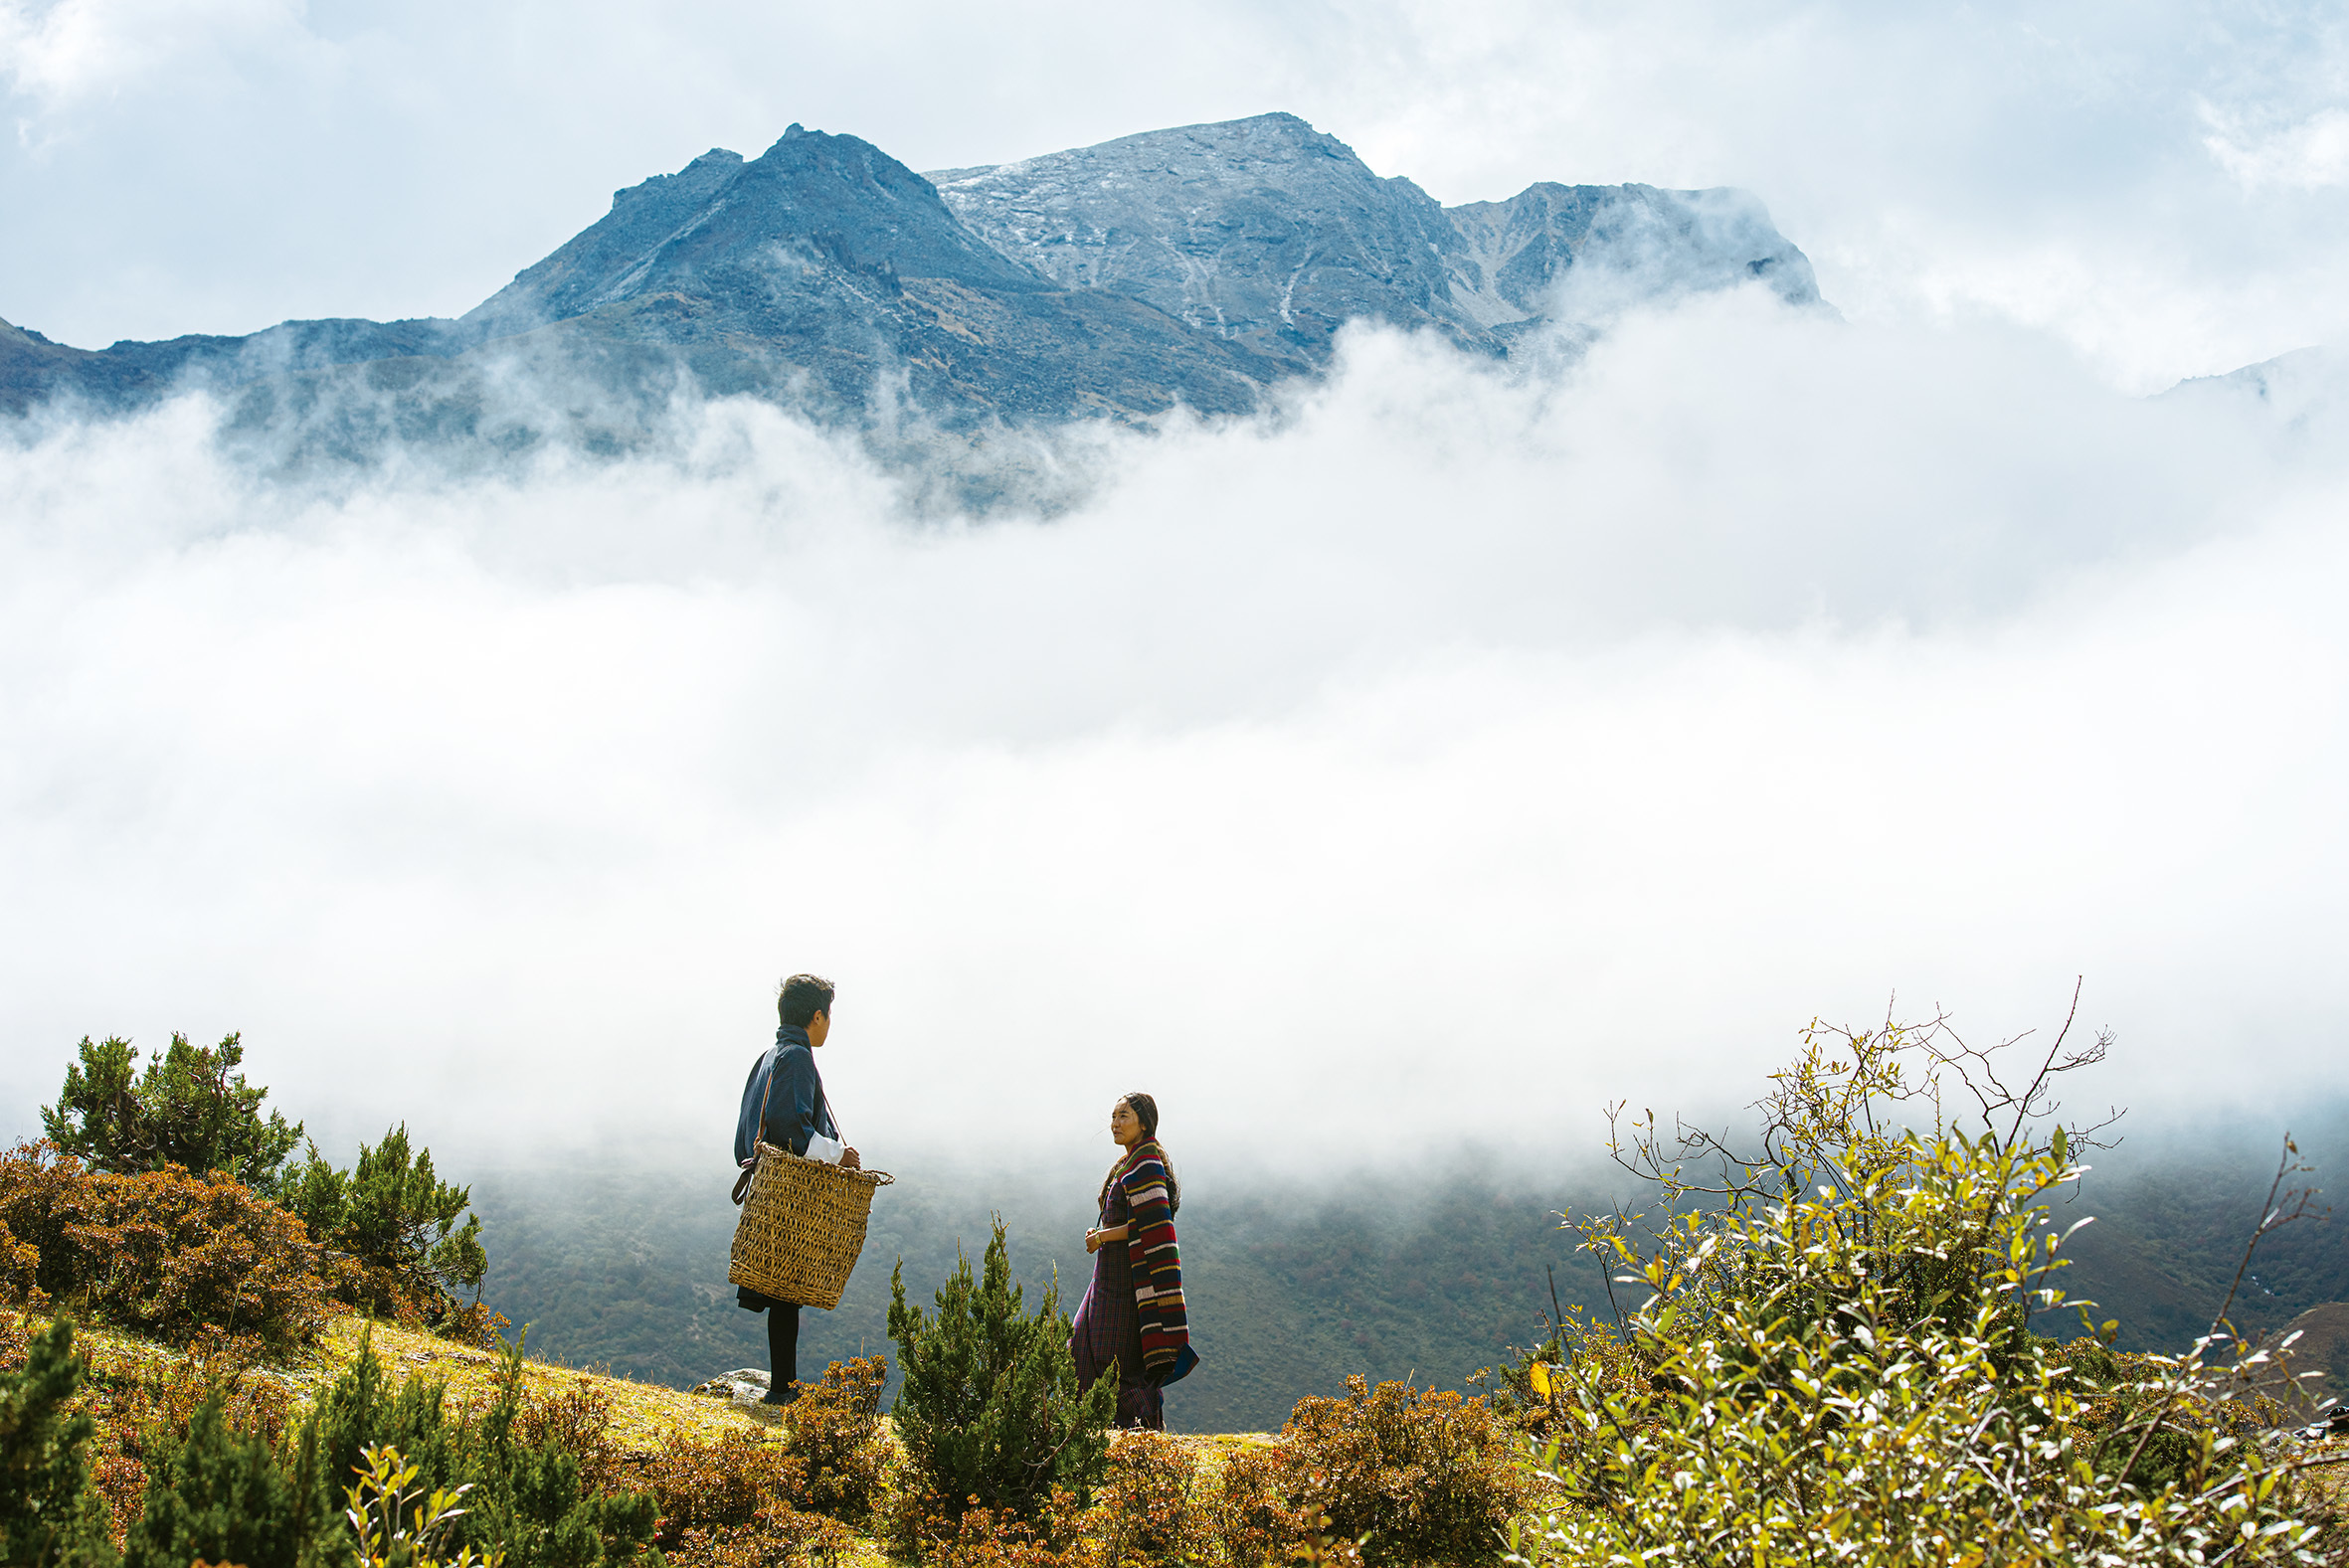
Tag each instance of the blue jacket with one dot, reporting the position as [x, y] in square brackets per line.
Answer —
[795, 1105]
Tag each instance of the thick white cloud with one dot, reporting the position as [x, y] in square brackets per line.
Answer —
[1424, 764]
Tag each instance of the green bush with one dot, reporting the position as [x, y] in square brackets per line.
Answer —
[1833, 1359]
[399, 1524]
[228, 1493]
[190, 1108]
[990, 1412]
[398, 1222]
[223, 1496]
[528, 1500]
[50, 1515]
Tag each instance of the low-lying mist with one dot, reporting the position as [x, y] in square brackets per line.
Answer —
[1411, 771]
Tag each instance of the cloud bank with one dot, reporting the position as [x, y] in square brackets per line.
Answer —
[1419, 766]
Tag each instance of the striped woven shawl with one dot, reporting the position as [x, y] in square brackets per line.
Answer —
[1152, 1256]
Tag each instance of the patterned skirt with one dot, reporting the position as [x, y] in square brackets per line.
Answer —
[1108, 1332]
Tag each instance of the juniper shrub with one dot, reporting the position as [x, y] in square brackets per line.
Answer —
[989, 1408]
[49, 1513]
[397, 1220]
[222, 1496]
[146, 1412]
[529, 1499]
[191, 1109]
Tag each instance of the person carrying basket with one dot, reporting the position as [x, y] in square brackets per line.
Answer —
[783, 1106]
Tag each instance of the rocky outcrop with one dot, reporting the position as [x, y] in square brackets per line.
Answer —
[743, 1387]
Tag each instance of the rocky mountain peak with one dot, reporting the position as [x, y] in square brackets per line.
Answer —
[745, 228]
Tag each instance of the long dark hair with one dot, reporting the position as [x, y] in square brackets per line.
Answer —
[1146, 1107]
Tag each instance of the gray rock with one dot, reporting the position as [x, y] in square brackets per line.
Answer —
[745, 1386]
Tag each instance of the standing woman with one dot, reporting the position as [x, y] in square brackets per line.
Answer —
[1131, 1320]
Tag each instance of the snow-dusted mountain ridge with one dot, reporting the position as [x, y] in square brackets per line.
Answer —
[1272, 233]
[1193, 267]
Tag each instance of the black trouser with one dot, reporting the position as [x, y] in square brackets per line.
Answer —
[783, 1347]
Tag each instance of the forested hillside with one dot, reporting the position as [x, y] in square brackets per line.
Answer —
[1294, 1288]
[2172, 1214]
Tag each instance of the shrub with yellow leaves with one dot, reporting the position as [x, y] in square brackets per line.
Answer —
[1834, 1356]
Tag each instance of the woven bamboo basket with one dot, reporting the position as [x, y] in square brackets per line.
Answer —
[802, 1227]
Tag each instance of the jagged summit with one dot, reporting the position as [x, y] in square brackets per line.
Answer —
[750, 231]
[1197, 265]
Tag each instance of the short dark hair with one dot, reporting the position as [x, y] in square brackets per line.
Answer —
[802, 997]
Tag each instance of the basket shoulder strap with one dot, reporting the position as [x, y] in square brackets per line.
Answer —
[774, 1060]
